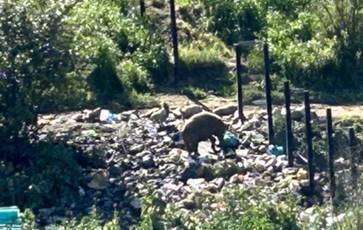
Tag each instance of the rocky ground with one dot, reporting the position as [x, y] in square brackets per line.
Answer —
[128, 156]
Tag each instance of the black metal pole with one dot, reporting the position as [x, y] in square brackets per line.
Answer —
[353, 167]
[174, 36]
[239, 83]
[288, 131]
[142, 8]
[268, 93]
[309, 141]
[330, 142]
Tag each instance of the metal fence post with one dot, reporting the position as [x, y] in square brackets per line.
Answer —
[330, 142]
[142, 8]
[309, 141]
[174, 36]
[268, 93]
[353, 167]
[288, 131]
[239, 83]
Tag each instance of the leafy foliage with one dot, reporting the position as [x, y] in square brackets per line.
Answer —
[250, 208]
[35, 62]
[235, 20]
[44, 180]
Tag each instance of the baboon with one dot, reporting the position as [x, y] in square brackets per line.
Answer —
[201, 127]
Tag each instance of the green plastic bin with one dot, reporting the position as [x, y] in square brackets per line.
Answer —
[10, 218]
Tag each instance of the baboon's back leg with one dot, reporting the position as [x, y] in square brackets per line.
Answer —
[213, 140]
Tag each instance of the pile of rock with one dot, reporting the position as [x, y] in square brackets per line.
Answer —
[131, 156]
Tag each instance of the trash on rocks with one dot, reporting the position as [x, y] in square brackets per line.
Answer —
[153, 131]
[230, 140]
[275, 150]
[108, 117]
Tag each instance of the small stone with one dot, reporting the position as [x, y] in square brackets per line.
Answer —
[242, 153]
[136, 148]
[260, 165]
[304, 183]
[136, 203]
[148, 161]
[81, 191]
[189, 202]
[259, 102]
[219, 182]
[196, 183]
[289, 171]
[302, 174]
[262, 149]
[78, 117]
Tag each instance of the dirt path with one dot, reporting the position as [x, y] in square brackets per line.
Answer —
[339, 111]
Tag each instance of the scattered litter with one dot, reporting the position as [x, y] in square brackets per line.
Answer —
[230, 140]
[275, 150]
[108, 117]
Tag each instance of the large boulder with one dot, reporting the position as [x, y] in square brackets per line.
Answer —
[191, 110]
[225, 111]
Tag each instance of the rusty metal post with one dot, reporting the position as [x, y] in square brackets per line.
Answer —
[309, 141]
[239, 83]
[174, 37]
[288, 131]
[353, 167]
[330, 142]
[268, 93]
[142, 8]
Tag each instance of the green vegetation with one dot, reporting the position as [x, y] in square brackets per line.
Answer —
[43, 175]
[252, 208]
[236, 209]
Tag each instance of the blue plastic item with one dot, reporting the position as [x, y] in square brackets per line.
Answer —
[275, 150]
[230, 140]
[10, 218]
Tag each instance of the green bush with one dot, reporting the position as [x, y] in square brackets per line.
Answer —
[49, 176]
[35, 61]
[101, 26]
[251, 208]
[201, 63]
[92, 221]
[234, 21]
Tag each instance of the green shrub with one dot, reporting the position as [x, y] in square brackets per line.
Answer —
[252, 93]
[104, 80]
[49, 176]
[234, 21]
[92, 221]
[201, 64]
[134, 76]
[251, 208]
[35, 60]
[298, 48]
[100, 25]
[193, 92]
